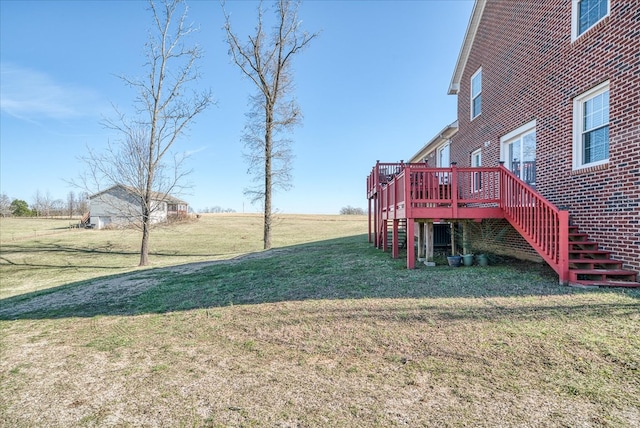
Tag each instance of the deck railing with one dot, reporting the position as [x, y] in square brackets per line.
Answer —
[381, 174]
[404, 190]
[412, 186]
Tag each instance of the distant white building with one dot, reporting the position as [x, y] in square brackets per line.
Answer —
[120, 206]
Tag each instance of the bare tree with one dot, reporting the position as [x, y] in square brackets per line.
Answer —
[164, 109]
[57, 208]
[71, 203]
[266, 61]
[5, 205]
[82, 203]
[42, 203]
[37, 203]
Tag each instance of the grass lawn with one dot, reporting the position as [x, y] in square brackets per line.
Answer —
[324, 330]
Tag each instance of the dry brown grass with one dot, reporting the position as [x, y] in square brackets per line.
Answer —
[329, 333]
[36, 254]
[374, 362]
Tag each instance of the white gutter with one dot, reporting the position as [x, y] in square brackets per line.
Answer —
[444, 135]
[472, 28]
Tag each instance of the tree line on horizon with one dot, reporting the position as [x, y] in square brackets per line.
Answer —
[44, 205]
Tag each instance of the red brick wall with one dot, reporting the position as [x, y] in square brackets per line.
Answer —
[532, 70]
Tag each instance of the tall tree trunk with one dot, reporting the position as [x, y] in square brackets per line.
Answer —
[146, 213]
[144, 247]
[267, 180]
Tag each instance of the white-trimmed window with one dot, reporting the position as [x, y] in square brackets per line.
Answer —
[591, 127]
[476, 94]
[443, 154]
[476, 162]
[587, 13]
[518, 151]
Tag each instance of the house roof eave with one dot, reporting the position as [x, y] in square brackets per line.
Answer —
[472, 28]
[101, 192]
[156, 196]
[444, 135]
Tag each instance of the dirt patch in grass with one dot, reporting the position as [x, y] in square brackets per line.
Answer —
[114, 291]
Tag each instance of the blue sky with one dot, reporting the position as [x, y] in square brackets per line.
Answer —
[372, 86]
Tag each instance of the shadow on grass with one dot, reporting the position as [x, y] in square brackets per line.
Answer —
[345, 268]
[17, 251]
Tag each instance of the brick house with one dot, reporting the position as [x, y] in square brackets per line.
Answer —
[552, 90]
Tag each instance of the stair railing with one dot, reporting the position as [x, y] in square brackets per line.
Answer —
[85, 218]
[541, 224]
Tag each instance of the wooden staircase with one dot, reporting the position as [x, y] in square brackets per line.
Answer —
[85, 219]
[590, 266]
[402, 235]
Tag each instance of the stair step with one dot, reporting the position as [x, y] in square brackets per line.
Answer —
[578, 275]
[596, 261]
[604, 271]
[629, 284]
[577, 237]
[581, 244]
[607, 264]
[597, 254]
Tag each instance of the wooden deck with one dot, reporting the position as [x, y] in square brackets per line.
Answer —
[416, 193]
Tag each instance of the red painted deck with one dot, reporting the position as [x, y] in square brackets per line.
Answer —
[417, 193]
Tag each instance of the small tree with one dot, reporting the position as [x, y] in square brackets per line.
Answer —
[165, 107]
[266, 61]
[20, 208]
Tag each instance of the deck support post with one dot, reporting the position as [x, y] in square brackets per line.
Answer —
[376, 221]
[421, 240]
[465, 238]
[395, 245]
[411, 253]
[454, 250]
[428, 234]
[385, 237]
[369, 220]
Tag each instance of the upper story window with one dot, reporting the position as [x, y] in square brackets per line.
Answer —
[587, 13]
[443, 155]
[476, 94]
[476, 162]
[591, 127]
[443, 158]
